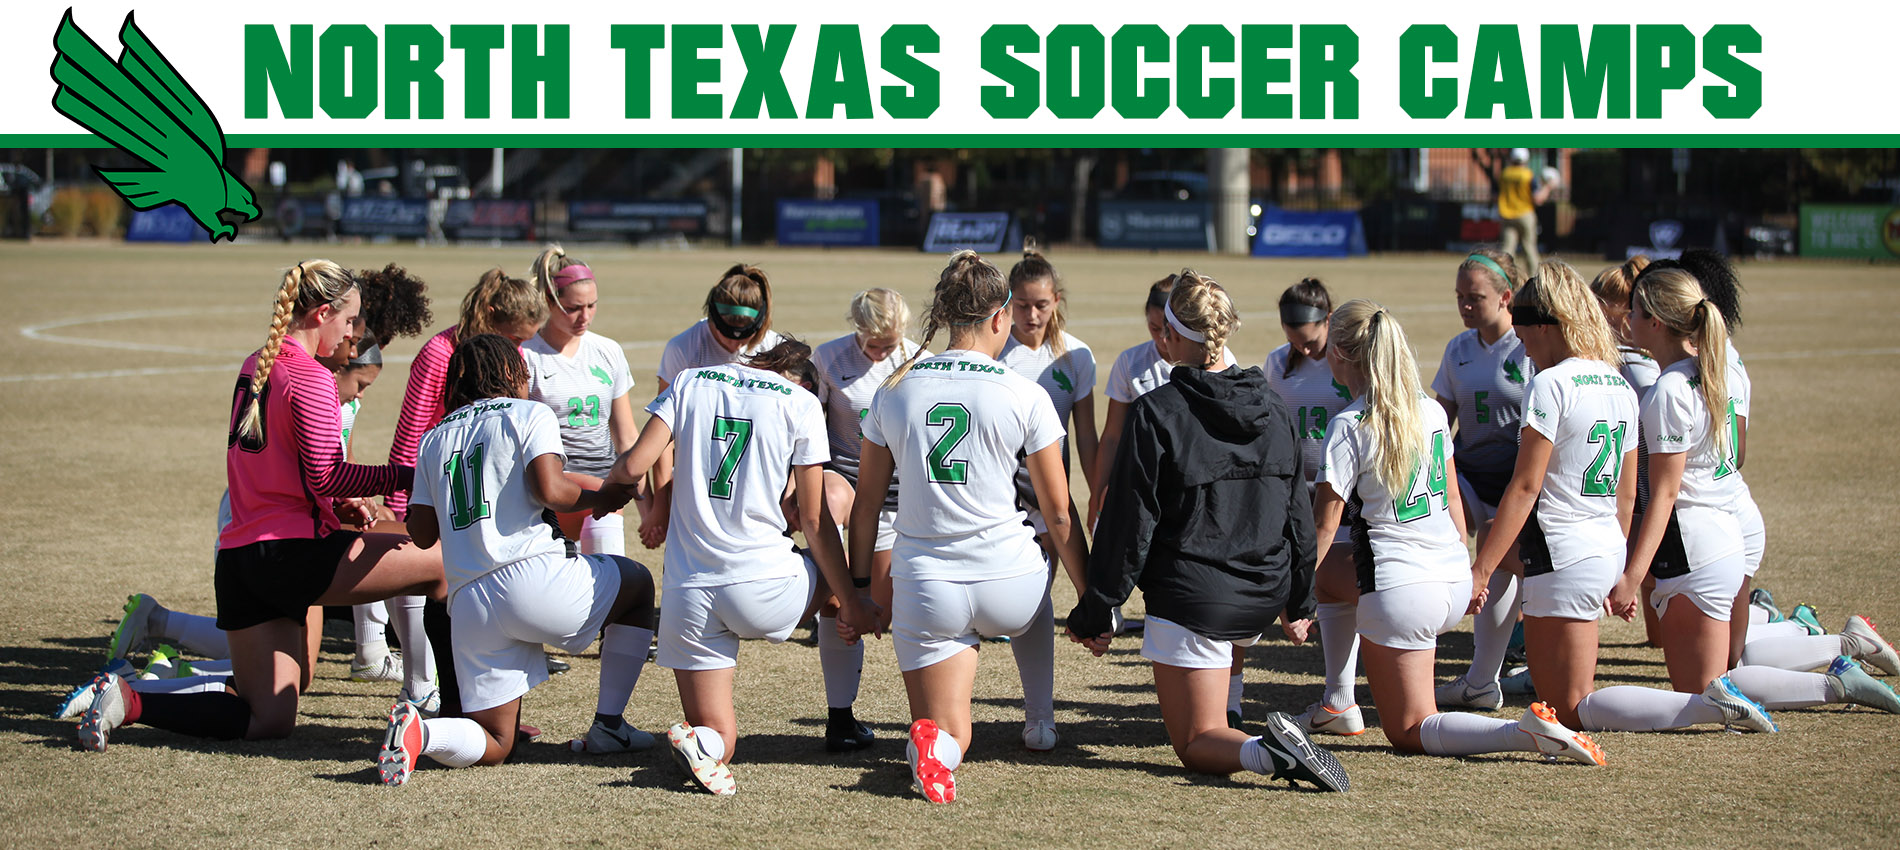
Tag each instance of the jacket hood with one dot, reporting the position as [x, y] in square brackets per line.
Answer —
[1231, 404]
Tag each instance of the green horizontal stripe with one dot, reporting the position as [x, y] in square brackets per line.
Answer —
[1001, 140]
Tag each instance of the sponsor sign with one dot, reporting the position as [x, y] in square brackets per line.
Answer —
[1186, 225]
[1865, 231]
[987, 232]
[169, 223]
[369, 216]
[489, 219]
[827, 222]
[1286, 233]
[636, 219]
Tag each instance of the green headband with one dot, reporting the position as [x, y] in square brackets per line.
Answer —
[1491, 264]
[735, 310]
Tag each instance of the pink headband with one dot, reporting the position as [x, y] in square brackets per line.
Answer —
[571, 275]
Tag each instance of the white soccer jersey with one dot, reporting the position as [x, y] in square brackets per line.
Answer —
[1488, 383]
[581, 392]
[847, 381]
[1410, 535]
[349, 412]
[737, 433]
[1589, 414]
[956, 425]
[1067, 379]
[473, 469]
[696, 347]
[1639, 369]
[1676, 421]
[1741, 390]
[1313, 395]
[1139, 370]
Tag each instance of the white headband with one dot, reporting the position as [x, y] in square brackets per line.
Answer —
[1183, 330]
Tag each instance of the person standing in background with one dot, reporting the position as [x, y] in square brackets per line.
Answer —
[1519, 193]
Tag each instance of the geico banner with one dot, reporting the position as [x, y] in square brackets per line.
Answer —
[1197, 73]
[1287, 233]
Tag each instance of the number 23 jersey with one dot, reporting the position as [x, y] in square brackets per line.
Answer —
[1398, 538]
[957, 426]
[737, 433]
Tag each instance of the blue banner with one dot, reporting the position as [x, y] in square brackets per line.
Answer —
[827, 222]
[987, 232]
[489, 219]
[1286, 233]
[1184, 225]
[169, 223]
[379, 216]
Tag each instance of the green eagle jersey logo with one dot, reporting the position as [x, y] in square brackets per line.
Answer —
[145, 109]
[1512, 373]
[1341, 390]
[1063, 381]
[601, 375]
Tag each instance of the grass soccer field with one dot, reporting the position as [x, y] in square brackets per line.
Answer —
[117, 379]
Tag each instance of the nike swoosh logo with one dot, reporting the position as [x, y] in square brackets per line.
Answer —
[548, 377]
[849, 378]
[1291, 762]
[1464, 362]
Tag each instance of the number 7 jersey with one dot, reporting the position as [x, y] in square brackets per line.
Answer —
[957, 426]
[737, 433]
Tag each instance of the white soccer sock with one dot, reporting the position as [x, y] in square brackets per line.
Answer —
[1778, 688]
[1757, 615]
[1794, 653]
[841, 663]
[1629, 708]
[1785, 628]
[604, 536]
[216, 667]
[454, 741]
[1456, 733]
[710, 741]
[1339, 642]
[418, 663]
[948, 752]
[1035, 651]
[191, 632]
[1236, 687]
[181, 685]
[1254, 756]
[623, 654]
[1491, 630]
[372, 636]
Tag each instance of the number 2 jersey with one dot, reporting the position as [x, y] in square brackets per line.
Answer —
[1589, 414]
[472, 468]
[1397, 538]
[580, 390]
[957, 425]
[737, 433]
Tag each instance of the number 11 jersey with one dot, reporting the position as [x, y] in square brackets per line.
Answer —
[957, 426]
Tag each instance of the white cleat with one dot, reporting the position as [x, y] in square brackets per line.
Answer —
[105, 714]
[1040, 736]
[1860, 636]
[131, 634]
[1320, 720]
[705, 771]
[1555, 740]
[1458, 693]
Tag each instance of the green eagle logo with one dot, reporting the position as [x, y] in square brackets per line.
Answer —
[1063, 381]
[601, 375]
[1512, 373]
[143, 107]
[1341, 390]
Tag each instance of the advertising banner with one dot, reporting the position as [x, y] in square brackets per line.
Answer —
[1182, 225]
[1861, 231]
[635, 219]
[164, 224]
[1287, 233]
[407, 218]
[489, 219]
[987, 232]
[802, 222]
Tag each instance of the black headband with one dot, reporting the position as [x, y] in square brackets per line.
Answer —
[1530, 314]
[367, 355]
[1301, 314]
[755, 320]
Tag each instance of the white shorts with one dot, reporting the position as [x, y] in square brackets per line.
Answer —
[1170, 643]
[1481, 513]
[700, 627]
[932, 620]
[1712, 587]
[1754, 535]
[886, 531]
[1574, 592]
[499, 622]
[1412, 616]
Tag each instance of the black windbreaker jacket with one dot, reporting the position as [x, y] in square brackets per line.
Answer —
[1208, 511]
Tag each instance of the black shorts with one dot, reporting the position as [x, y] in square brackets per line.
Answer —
[270, 579]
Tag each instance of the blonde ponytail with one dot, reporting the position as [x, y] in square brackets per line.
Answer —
[306, 286]
[1202, 304]
[969, 290]
[1674, 297]
[1561, 292]
[1369, 338]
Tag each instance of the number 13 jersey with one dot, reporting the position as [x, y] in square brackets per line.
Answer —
[737, 433]
[957, 426]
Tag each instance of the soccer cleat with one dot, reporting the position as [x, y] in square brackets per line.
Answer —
[389, 669]
[1296, 757]
[1859, 688]
[847, 733]
[80, 698]
[1737, 709]
[1514, 650]
[601, 740]
[1320, 720]
[430, 705]
[1458, 693]
[705, 771]
[937, 783]
[106, 713]
[1555, 740]
[1869, 646]
[1518, 684]
[130, 636]
[402, 744]
[1233, 720]
[1761, 598]
[162, 664]
[556, 665]
[1040, 736]
[1808, 618]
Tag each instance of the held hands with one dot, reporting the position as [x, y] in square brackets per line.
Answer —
[653, 525]
[612, 497]
[1480, 590]
[1623, 599]
[1096, 645]
[858, 617]
[1296, 631]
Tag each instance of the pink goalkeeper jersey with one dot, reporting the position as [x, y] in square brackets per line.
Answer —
[421, 407]
[282, 487]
